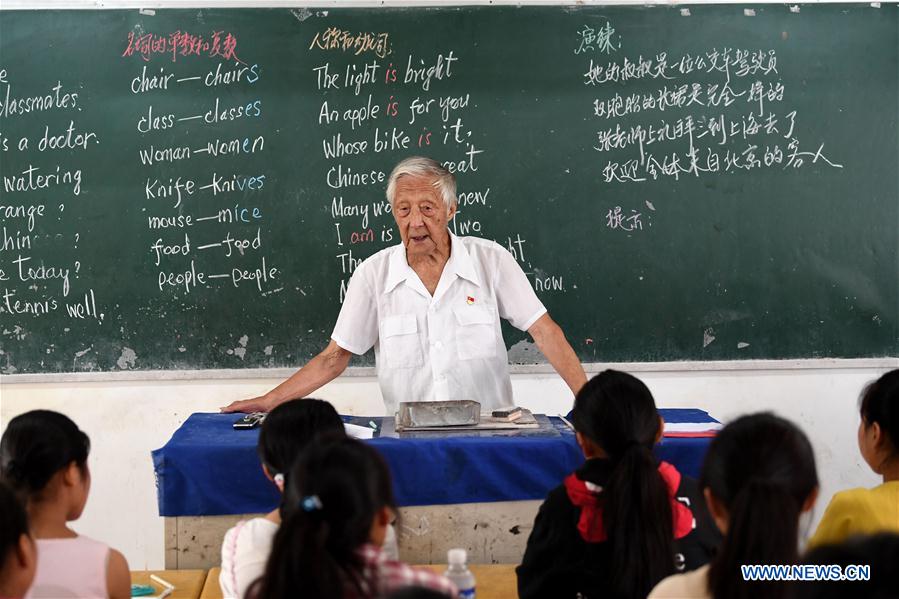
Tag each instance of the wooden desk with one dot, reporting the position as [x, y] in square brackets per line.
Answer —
[494, 581]
[212, 589]
[188, 583]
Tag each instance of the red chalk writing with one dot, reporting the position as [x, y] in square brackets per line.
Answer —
[182, 43]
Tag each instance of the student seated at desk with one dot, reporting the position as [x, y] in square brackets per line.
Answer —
[867, 511]
[337, 505]
[18, 555]
[622, 521]
[43, 456]
[285, 433]
[758, 479]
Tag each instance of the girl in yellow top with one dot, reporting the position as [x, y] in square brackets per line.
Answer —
[869, 511]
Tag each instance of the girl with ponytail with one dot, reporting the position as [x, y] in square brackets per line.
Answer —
[758, 479]
[286, 432]
[623, 521]
[338, 502]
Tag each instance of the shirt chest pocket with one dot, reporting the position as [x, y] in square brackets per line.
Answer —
[475, 333]
[400, 344]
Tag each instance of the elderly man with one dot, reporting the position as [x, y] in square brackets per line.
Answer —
[431, 307]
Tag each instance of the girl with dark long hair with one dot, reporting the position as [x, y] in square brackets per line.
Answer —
[623, 520]
[337, 505]
[758, 478]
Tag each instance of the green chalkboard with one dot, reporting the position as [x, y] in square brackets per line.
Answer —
[192, 188]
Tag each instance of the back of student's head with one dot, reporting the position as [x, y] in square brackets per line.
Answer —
[880, 405]
[760, 468]
[290, 427]
[416, 593]
[37, 445]
[334, 493]
[880, 553]
[17, 561]
[616, 411]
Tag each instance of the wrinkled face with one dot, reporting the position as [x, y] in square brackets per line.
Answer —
[421, 216]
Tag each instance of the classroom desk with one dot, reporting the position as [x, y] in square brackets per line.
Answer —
[211, 588]
[493, 581]
[476, 491]
[188, 583]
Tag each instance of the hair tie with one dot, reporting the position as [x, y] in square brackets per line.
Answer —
[311, 503]
[631, 444]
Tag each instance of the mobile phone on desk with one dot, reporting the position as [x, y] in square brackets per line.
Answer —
[249, 420]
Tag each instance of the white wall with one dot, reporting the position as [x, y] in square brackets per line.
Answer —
[127, 419]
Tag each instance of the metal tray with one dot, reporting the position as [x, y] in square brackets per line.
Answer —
[413, 415]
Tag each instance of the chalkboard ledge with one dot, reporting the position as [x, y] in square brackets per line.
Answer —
[515, 369]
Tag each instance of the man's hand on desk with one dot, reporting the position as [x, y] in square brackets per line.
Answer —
[255, 404]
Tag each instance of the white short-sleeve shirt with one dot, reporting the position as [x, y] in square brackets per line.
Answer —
[446, 347]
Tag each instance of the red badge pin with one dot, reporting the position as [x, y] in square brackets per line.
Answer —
[469, 300]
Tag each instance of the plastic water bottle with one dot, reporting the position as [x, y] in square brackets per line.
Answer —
[459, 573]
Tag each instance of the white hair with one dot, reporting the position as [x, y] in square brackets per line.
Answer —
[419, 166]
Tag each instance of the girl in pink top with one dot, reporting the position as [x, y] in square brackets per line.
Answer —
[43, 456]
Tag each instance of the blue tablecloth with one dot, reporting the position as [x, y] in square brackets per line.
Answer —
[208, 468]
